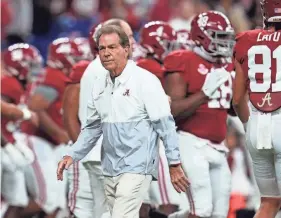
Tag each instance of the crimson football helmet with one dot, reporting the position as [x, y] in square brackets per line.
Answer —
[184, 39]
[84, 47]
[158, 38]
[64, 53]
[92, 39]
[271, 11]
[22, 61]
[213, 33]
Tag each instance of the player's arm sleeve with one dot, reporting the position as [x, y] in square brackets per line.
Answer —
[158, 109]
[78, 71]
[11, 91]
[74, 78]
[88, 136]
[49, 93]
[239, 47]
[174, 62]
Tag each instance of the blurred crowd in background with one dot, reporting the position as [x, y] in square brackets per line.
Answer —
[38, 22]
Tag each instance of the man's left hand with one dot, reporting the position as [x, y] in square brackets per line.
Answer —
[178, 179]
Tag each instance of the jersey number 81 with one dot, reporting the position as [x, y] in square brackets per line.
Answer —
[264, 68]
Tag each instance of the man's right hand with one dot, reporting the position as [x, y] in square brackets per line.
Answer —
[65, 163]
[214, 80]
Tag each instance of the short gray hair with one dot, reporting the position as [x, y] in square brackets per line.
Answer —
[114, 22]
[109, 29]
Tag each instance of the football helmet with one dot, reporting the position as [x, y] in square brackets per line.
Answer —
[64, 53]
[213, 33]
[138, 52]
[22, 60]
[84, 47]
[271, 11]
[92, 39]
[158, 38]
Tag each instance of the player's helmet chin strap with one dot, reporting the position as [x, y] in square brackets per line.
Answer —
[204, 54]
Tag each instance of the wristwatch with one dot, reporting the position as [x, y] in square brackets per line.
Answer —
[175, 165]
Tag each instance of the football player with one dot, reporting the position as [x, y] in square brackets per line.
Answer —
[17, 61]
[46, 95]
[257, 57]
[199, 83]
[80, 198]
[22, 62]
[158, 39]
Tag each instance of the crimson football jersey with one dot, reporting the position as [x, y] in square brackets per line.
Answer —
[78, 71]
[209, 120]
[152, 66]
[57, 80]
[12, 89]
[259, 53]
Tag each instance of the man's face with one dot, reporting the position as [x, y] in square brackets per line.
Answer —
[112, 54]
[127, 29]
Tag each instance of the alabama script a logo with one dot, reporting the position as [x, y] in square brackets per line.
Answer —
[265, 99]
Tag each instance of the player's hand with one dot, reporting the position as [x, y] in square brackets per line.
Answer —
[214, 80]
[178, 179]
[65, 163]
[16, 156]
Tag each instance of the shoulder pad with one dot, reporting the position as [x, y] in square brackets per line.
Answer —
[11, 88]
[176, 61]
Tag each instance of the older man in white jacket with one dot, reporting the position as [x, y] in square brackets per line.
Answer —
[131, 109]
